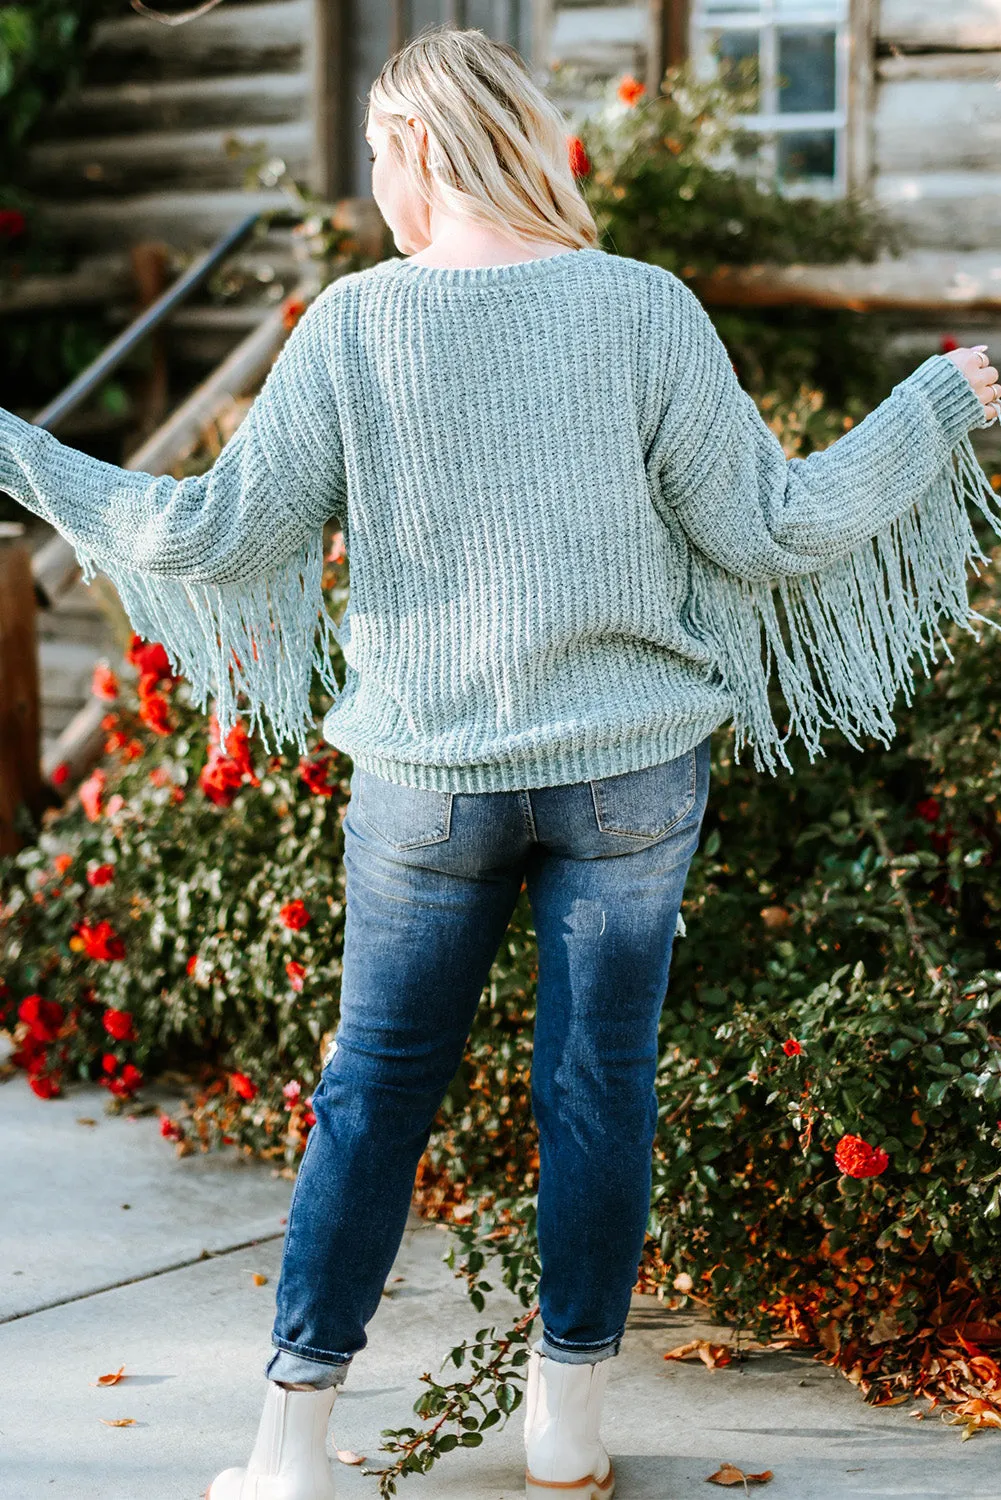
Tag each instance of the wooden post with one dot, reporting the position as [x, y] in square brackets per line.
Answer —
[20, 741]
[332, 100]
[149, 268]
[667, 44]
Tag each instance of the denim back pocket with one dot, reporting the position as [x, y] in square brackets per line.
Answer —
[406, 817]
[646, 804]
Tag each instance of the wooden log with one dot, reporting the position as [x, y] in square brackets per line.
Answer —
[928, 24]
[923, 281]
[20, 781]
[262, 38]
[959, 211]
[904, 66]
[251, 100]
[165, 160]
[94, 281]
[960, 124]
[185, 220]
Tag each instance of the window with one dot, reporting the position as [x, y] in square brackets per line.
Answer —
[800, 53]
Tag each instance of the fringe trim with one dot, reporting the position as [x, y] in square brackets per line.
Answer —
[260, 638]
[851, 629]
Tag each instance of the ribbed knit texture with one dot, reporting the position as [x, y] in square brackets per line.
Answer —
[575, 547]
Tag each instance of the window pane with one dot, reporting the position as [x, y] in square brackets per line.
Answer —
[715, 7]
[733, 48]
[806, 69]
[805, 153]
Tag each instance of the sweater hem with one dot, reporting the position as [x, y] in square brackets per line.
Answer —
[571, 762]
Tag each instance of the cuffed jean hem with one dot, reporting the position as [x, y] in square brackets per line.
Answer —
[295, 1368]
[576, 1355]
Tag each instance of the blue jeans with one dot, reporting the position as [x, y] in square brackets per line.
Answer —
[432, 879]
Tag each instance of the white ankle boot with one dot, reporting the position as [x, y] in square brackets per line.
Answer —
[564, 1455]
[289, 1458]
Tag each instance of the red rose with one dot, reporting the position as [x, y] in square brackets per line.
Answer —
[856, 1158]
[243, 1085]
[238, 751]
[296, 974]
[44, 1017]
[791, 1048]
[60, 774]
[101, 875]
[134, 748]
[115, 741]
[169, 1128]
[160, 776]
[948, 343]
[294, 915]
[192, 961]
[292, 1090]
[44, 1085]
[220, 780]
[109, 1063]
[101, 941]
[314, 774]
[148, 656]
[131, 1076]
[292, 311]
[104, 683]
[30, 1055]
[580, 162]
[630, 89]
[929, 809]
[154, 710]
[62, 862]
[120, 1024]
[12, 223]
[90, 793]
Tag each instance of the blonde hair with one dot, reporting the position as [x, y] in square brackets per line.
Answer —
[497, 147]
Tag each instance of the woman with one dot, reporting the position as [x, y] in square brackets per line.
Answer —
[568, 529]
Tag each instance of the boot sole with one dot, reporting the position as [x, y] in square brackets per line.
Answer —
[587, 1488]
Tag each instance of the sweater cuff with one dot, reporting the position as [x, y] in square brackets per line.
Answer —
[953, 401]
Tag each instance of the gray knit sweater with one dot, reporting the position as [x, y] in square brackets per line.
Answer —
[575, 547]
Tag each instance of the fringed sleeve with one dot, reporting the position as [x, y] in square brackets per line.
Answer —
[223, 568]
[827, 575]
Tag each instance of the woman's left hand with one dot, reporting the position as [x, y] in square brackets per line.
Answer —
[982, 375]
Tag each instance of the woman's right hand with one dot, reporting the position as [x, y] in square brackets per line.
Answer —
[982, 375]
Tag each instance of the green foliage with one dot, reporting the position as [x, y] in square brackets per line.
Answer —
[41, 50]
[667, 184]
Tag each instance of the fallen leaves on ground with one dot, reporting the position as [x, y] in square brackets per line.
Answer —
[258, 1279]
[347, 1457]
[85, 1120]
[945, 1360]
[112, 1379]
[713, 1356]
[118, 1421]
[730, 1474]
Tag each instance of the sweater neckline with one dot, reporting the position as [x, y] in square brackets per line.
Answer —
[507, 270]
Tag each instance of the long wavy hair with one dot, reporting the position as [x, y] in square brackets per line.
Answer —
[497, 147]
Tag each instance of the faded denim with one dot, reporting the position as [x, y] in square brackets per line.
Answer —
[432, 879]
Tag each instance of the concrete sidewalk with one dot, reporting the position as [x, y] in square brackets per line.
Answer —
[88, 1285]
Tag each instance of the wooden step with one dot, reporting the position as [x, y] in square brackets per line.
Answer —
[95, 280]
[181, 104]
[163, 160]
[268, 37]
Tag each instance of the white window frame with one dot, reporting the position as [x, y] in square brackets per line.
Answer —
[766, 17]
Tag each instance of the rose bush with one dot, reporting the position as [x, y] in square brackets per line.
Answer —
[828, 1163]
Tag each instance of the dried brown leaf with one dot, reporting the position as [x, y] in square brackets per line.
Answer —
[713, 1356]
[730, 1474]
[258, 1279]
[347, 1457]
[109, 1379]
[118, 1421]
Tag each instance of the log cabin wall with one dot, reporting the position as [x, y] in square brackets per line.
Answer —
[937, 120]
